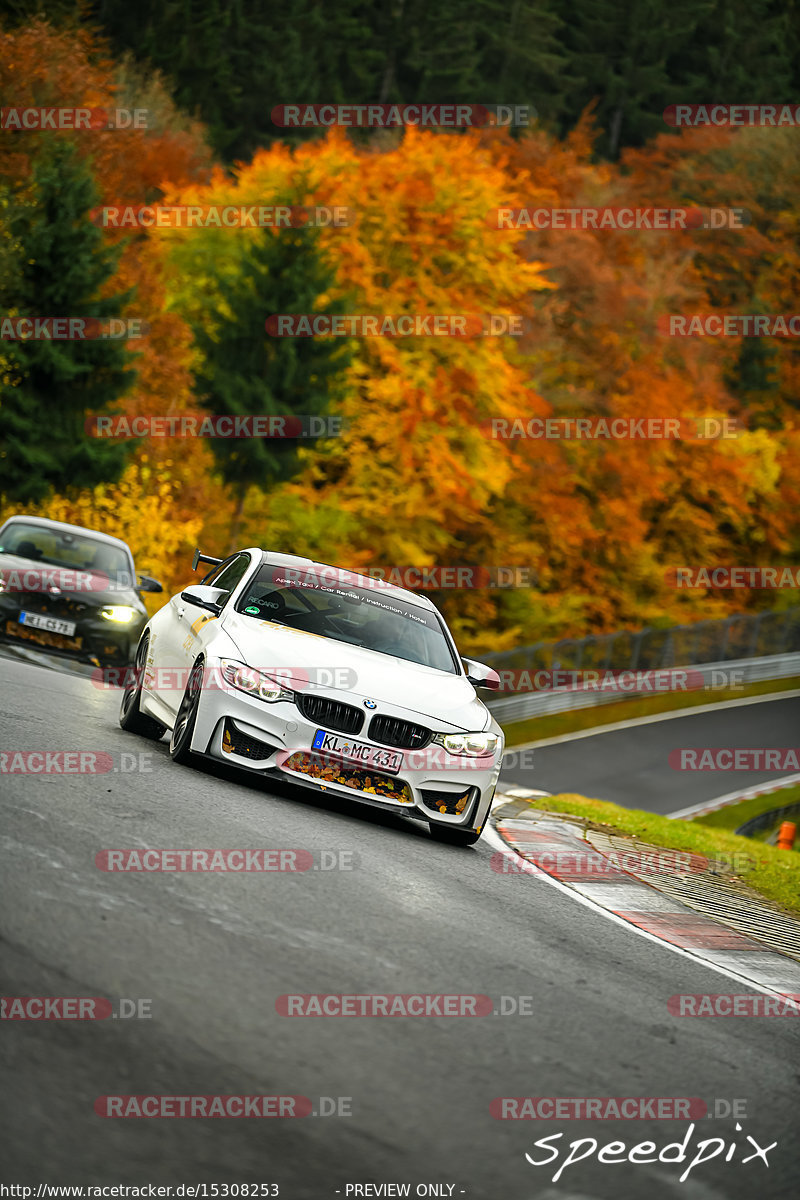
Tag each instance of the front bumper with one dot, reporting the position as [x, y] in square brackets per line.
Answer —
[95, 640]
[276, 740]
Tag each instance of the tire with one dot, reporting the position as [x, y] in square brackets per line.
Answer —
[131, 718]
[181, 739]
[453, 837]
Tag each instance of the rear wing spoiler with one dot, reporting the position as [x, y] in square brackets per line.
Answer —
[204, 558]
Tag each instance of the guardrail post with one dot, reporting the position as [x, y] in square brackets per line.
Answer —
[785, 627]
[754, 639]
[726, 631]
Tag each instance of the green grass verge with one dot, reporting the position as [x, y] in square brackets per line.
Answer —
[733, 815]
[774, 873]
[553, 725]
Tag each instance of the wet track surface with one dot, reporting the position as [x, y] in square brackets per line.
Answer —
[213, 952]
[631, 766]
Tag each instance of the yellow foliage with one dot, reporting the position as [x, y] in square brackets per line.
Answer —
[142, 509]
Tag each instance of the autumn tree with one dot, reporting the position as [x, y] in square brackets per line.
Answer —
[246, 371]
[62, 269]
[41, 64]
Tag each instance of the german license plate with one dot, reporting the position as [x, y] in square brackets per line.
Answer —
[358, 752]
[49, 624]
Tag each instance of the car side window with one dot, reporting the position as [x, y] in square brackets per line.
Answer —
[228, 575]
[215, 572]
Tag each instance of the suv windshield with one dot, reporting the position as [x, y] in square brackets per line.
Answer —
[363, 616]
[63, 548]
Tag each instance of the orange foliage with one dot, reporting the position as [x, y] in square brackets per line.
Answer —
[417, 478]
[170, 483]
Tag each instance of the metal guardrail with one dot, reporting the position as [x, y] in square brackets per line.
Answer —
[749, 635]
[767, 820]
[535, 704]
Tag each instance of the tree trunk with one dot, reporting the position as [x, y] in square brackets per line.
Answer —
[615, 131]
[236, 524]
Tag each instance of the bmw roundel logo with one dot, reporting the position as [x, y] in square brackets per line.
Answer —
[370, 704]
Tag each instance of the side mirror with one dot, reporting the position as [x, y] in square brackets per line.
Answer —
[146, 584]
[482, 676]
[200, 596]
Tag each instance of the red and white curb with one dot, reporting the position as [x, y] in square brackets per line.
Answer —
[628, 901]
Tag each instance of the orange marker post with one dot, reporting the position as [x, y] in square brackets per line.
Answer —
[786, 835]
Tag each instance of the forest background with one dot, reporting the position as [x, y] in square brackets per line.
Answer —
[415, 478]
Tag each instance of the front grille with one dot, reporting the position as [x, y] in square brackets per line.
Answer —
[452, 803]
[324, 769]
[392, 731]
[333, 714]
[234, 741]
[53, 606]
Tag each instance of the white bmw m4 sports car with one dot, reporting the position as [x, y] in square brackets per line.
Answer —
[296, 670]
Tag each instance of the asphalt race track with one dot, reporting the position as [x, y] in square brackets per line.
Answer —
[631, 766]
[214, 951]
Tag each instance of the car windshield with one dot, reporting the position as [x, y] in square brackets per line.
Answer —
[369, 617]
[63, 548]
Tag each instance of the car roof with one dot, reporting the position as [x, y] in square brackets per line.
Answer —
[65, 528]
[273, 559]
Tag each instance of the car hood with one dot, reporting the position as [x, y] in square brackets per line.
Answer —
[448, 700]
[93, 589]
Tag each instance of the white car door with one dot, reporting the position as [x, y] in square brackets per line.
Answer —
[165, 657]
[197, 626]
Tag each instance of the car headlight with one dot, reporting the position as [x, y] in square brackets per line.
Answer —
[253, 682]
[474, 745]
[122, 614]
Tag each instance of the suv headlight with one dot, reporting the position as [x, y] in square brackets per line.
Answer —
[253, 682]
[474, 745]
[122, 614]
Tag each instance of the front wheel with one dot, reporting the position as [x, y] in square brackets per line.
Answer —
[181, 740]
[453, 837]
[131, 718]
